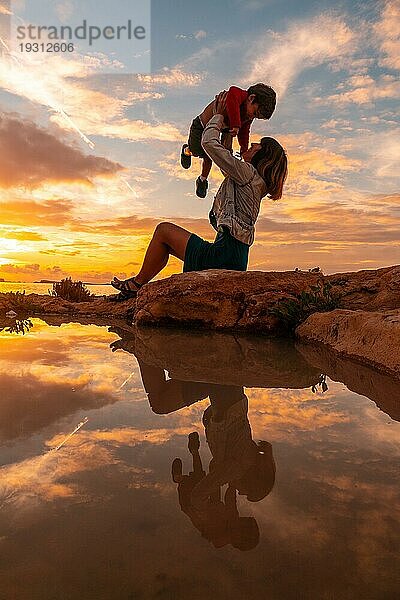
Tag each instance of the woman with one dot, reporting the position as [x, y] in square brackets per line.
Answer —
[262, 172]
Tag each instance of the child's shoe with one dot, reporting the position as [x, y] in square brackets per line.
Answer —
[193, 442]
[186, 159]
[201, 187]
[177, 470]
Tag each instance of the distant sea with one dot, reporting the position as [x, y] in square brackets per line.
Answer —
[43, 288]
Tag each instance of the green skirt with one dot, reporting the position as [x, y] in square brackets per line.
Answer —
[225, 252]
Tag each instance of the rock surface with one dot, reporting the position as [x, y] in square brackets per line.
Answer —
[371, 337]
[219, 299]
[368, 328]
[243, 301]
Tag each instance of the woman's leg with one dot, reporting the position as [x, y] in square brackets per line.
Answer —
[167, 239]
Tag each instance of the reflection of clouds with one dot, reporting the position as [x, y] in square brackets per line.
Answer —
[71, 353]
[283, 412]
[28, 404]
[104, 507]
[55, 371]
[57, 475]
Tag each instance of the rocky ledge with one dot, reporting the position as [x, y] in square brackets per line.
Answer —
[370, 337]
[365, 324]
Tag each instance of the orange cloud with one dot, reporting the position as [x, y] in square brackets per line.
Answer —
[28, 212]
[28, 236]
[32, 156]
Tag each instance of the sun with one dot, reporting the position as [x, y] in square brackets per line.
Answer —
[10, 245]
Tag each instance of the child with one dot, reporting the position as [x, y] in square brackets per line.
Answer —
[242, 107]
[247, 467]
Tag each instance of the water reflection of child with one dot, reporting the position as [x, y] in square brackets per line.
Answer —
[247, 468]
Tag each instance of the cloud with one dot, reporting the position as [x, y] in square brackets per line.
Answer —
[387, 29]
[34, 270]
[64, 10]
[24, 236]
[200, 35]
[21, 270]
[279, 58]
[5, 11]
[175, 77]
[364, 90]
[170, 164]
[197, 35]
[63, 86]
[134, 225]
[28, 212]
[32, 156]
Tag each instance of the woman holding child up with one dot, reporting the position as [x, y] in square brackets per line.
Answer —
[262, 172]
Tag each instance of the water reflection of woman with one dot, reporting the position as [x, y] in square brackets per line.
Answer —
[246, 467]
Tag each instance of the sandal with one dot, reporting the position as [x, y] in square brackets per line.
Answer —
[121, 297]
[123, 286]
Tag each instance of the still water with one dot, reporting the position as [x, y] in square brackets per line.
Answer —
[164, 464]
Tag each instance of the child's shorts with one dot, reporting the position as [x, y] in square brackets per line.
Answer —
[195, 135]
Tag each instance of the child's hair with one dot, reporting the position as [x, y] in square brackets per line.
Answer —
[271, 163]
[265, 97]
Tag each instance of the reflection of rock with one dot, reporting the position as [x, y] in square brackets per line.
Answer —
[221, 358]
[372, 337]
[382, 389]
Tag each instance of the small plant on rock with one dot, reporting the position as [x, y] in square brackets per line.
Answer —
[293, 311]
[73, 291]
[18, 302]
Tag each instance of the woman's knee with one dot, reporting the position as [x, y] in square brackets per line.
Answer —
[162, 228]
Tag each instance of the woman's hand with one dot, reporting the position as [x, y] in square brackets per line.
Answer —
[220, 103]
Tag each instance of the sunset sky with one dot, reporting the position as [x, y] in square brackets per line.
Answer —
[67, 208]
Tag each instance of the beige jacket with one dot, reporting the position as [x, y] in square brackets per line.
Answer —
[237, 202]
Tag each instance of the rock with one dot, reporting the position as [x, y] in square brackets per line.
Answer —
[368, 289]
[11, 314]
[370, 337]
[243, 301]
[218, 299]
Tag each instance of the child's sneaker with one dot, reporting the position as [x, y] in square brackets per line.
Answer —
[193, 442]
[186, 159]
[201, 187]
[176, 470]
